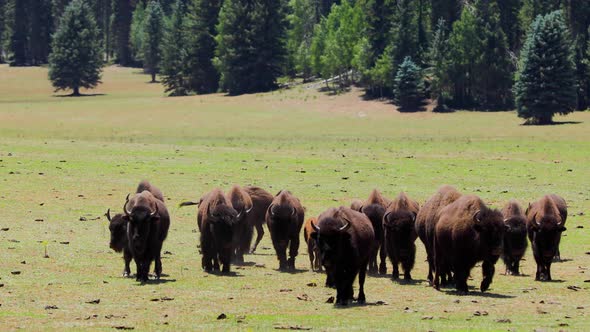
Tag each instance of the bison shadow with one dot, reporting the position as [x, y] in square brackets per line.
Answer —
[156, 281]
[408, 282]
[355, 304]
[475, 292]
[244, 264]
[562, 260]
[231, 274]
[295, 271]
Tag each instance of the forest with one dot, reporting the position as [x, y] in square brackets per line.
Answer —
[463, 54]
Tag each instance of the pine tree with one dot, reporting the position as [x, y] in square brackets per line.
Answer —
[409, 86]
[437, 69]
[509, 10]
[19, 41]
[3, 14]
[203, 16]
[493, 67]
[449, 10]
[39, 31]
[121, 27]
[545, 82]
[75, 61]
[301, 21]
[174, 54]
[137, 34]
[153, 34]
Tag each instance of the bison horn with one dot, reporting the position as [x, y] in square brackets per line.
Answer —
[127, 212]
[345, 227]
[250, 209]
[476, 216]
[155, 211]
[239, 214]
[385, 216]
[108, 215]
[315, 227]
[272, 209]
[294, 211]
[506, 220]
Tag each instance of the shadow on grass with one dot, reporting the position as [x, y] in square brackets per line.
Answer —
[408, 282]
[244, 263]
[474, 292]
[231, 274]
[554, 123]
[82, 95]
[562, 260]
[156, 281]
[295, 271]
[556, 281]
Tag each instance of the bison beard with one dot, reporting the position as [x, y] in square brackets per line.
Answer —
[545, 223]
[467, 232]
[147, 228]
[400, 234]
[346, 240]
[284, 218]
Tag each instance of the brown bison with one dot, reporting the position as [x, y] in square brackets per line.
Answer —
[147, 228]
[545, 223]
[146, 185]
[426, 221]
[467, 232]
[284, 218]
[515, 241]
[346, 240]
[242, 203]
[312, 246]
[374, 208]
[261, 200]
[118, 229]
[216, 219]
[400, 234]
[357, 205]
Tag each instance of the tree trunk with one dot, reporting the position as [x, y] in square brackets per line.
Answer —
[544, 119]
[153, 77]
[76, 91]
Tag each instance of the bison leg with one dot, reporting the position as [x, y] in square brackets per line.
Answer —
[206, 263]
[311, 253]
[395, 273]
[362, 273]
[259, 235]
[487, 269]
[127, 257]
[430, 260]
[383, 258]
[373, 261]
[330, 279]
[281, 250]
[293, 251]
[461, 275]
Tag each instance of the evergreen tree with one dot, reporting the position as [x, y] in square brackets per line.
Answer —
[121, 27]
[509, 10]
[19, 41]
[301, 21]
[203, 16]
[137, 34]
[545, 81]
[40, 29]
[449, 10]
[493, 67]
[153, 34]
[75, 61]
[174, 54]
[251, 45]
[437, 69]
[405, 32]
[3, 15]
[409, 86]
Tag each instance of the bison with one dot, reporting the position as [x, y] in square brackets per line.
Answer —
[146, 185]
[216, 219]
[426, 221]
[118, 242]
[284, 218]
[467, 232]
[374, 208]
[545, 221]
[515, 241]
[242, 203]
[312, 246]
[148, 222]
[346, 241]
[261, 200]
[400, 234]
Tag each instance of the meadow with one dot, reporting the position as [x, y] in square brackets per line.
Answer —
[64, 161]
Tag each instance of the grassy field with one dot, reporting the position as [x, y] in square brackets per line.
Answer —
[64, 161]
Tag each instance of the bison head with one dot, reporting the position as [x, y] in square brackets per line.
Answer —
[140, 212]
[399, 221]
[118, 229]
[330, 235]
[222, 219]
[546, 233]
[282, 211]
[490, 227]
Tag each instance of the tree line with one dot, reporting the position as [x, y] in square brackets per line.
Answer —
[463, 53]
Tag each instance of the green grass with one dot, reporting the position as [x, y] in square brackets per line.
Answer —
[67, 158]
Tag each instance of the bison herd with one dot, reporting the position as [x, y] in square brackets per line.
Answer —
[457, 230]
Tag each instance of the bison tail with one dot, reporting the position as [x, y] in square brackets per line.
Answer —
[187, 204]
